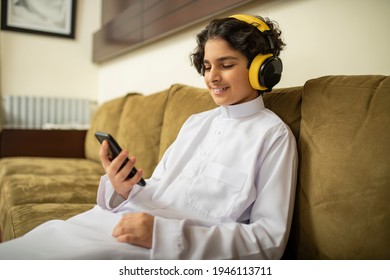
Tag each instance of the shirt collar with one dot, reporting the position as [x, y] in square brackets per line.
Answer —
[244, 109]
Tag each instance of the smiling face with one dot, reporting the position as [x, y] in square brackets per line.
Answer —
[226, 74]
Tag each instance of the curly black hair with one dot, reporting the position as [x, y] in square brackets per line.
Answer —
[241, 36]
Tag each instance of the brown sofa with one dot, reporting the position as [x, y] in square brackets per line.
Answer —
[342, 125]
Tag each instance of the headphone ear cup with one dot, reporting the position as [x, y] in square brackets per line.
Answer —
[265, 72]
[271, 72]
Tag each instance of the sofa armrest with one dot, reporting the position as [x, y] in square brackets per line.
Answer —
[42, 143]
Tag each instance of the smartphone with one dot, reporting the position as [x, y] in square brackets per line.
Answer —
[114, 151]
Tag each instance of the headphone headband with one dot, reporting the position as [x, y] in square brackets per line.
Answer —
[259, 24]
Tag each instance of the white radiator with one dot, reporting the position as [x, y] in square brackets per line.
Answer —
[37, 112]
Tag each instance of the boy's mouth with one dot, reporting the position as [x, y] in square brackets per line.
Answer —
[219, 90]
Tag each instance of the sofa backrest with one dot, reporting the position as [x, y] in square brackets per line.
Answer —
[286, 103]
[342, 208]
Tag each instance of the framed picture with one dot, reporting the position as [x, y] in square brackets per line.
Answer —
[45, 17]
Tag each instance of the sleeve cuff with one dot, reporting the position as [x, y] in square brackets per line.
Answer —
[104, 193]
[167, 239]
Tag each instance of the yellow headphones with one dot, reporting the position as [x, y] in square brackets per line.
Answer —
[265, 70]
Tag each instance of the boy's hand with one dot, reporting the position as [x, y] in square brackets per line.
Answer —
[135, 229]
[118, 178]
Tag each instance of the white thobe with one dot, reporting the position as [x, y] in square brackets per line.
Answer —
[223, 190]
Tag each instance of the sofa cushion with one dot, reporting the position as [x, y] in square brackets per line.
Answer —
[345, 168]
[35, 179]
[286, 103]
[48, 166]
[184, 101]
[18, 189]
[23, 218]
[106, 118]
[140, 128]
[30, 188]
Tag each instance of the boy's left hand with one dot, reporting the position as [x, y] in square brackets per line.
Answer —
[135, 229]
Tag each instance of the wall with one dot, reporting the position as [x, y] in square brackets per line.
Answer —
[50, 66]
[323, 37]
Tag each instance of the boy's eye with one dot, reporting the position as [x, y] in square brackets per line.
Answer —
[223, 66]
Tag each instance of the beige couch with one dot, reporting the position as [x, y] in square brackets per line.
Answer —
[342, 125]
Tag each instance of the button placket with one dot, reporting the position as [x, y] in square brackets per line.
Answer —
[213, 139]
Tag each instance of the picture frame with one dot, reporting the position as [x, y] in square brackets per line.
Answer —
[52, 18]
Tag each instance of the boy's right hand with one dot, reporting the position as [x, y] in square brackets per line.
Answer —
[118, 178]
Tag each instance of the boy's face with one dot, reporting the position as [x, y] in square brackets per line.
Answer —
[226, 74]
